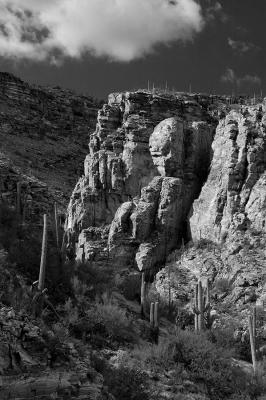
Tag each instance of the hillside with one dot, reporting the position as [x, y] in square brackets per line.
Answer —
[163, 247]
[43, 135]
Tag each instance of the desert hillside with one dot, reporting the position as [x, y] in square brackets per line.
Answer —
[150, 284]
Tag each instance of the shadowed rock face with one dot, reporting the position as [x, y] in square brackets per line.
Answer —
[44, 133]
[149, 157]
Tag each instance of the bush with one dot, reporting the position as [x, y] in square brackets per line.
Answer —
[103, 322]
[130, 286]
[107, 317]
[205, 362]
[159, 356]
[225, 338]
[223, 285]
[204, 243]
[95, 280]
[210, 364]
[126, 383]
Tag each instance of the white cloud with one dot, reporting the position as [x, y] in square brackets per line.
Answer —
[252, 79]
[241, 46]
[122, 30]
[231, 77]
[215, 11]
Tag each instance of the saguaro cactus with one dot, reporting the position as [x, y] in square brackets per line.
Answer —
[154, 322]
[252, 343]
[152, 315]
[254, 320]
[208, 297]
[156, 311]
[43, 255]
[56, 226]
[142, 293]
[18, 202]
[200, 307]
[196, 307]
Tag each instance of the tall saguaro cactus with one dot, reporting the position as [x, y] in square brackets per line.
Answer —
[142, 294]
[43, 255]
[254, 320]
[196, 307]
[154, 321]
[56, 226]
[18, 202]
[156, 311]
[152, 315]
[252, 342]
[200, 307]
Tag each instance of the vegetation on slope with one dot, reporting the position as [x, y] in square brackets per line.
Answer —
[93, 329]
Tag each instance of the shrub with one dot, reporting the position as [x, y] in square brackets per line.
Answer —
[204, 243]
[107, 317]
[159, 356]
[209, 364]
[225, 338]
[126, 383]
[205, 362]
[103, 321]
[223, 285]
[130, 286]
[95, 280]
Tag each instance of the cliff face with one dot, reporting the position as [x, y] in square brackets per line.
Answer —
[43, 135]
[233, 198]
[228, 220]
[158, 172]
[231, 209]
[149, 157]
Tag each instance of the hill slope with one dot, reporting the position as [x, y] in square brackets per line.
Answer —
[44, 134]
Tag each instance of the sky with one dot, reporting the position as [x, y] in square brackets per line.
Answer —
[101, 46]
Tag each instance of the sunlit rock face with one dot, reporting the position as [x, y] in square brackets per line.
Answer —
[227, 221]
[147, 161]
[233, 200]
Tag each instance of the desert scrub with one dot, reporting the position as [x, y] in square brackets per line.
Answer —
[203, 361]
[126, 383]
[223, 285]
[94, 281]
[212, 365]
[103, 321]
[204, 243]
[110, 319]
[155, 357]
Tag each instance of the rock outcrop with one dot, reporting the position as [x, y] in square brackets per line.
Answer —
[234, 197]
[231, 210]
[228, 220]
[148, 160]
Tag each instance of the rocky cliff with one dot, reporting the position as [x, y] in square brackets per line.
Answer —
[43, 134]
[148, 160]
[227, 221]
[163, 169]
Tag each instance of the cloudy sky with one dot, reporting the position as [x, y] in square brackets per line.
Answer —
[100, 46]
